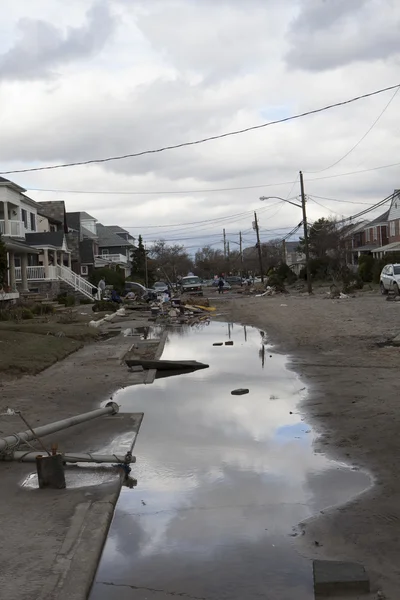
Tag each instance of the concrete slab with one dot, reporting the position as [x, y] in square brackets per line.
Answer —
[335, 576]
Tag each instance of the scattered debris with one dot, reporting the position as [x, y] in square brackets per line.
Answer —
[165, 365]
[239, 392]
[218, 343]
[230, 343]
[137, 369]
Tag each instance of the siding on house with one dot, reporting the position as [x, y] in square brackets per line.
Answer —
[394, 218]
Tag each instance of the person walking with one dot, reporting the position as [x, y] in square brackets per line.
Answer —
[220, 285]
[102, 287]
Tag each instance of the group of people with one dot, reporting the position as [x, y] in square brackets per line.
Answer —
[115, 296]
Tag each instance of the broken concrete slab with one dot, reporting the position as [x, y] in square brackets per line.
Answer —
[239, 392]
[337, 576]
[230, 343]
[137, 369]
[218, 344]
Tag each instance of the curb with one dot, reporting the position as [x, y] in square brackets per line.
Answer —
[75, 566]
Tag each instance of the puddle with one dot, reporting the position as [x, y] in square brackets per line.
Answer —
[223, 480]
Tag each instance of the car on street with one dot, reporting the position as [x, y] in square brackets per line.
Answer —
[160, 287]
[390, 279]
[233, 280]
[226, 286]
[191, 284]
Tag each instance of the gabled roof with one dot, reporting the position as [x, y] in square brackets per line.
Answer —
[117, 229]
[85, 215]
[47, 238]
[7, 182]
[55, 211]
[381, 219]
[106, 238]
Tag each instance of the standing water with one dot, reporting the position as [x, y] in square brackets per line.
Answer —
[223, 480]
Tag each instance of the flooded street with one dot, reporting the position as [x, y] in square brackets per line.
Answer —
[223, 480]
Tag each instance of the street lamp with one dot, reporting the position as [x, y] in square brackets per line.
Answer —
[303, 207]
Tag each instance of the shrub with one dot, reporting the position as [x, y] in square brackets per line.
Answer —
[42, 309]
[104, 305]
[66, 299]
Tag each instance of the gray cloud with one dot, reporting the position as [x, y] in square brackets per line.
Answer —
[42, 46]
[327, 35]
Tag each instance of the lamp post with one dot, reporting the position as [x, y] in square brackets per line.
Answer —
[303, 207]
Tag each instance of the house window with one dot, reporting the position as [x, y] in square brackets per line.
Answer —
[375, 233]
[84, 270]
[24, 217]
[392, 228]
[33, 221]
[105, 251]
[53, 228]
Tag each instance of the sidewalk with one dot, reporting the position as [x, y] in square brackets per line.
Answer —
[52, 539]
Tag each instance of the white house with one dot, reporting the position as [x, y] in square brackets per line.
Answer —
[37, 260]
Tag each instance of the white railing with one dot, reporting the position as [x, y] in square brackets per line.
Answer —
[15, 228]
[78, 283]
[115, 258]
[37, 273]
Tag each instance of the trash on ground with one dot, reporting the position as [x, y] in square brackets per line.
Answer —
[165, 365]
[239, 392]
[230, 343]
[218, 343]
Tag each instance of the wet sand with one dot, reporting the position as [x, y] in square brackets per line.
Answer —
[354, 404]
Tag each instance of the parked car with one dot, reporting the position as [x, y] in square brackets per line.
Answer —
[227, 286]
[191, 284]
[233, 280]
[160, 287]
[390, 279]
[140, 290]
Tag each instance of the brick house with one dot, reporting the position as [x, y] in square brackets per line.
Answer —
[393, 237]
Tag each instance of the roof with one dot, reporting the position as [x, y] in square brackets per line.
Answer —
[47, 238]
[381, 219]
[74, 220]
[393, 247]
[117, 229]
[19, 245]
[53, 210]
[106, 238]
[85, 215]
[5, 182]
[366, 248]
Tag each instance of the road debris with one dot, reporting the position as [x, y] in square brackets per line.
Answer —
[239, 392]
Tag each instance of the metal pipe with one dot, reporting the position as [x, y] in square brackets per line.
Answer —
[75, 457]
[15, 440]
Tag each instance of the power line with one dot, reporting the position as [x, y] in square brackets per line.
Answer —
[337, 200]
[203, 140]
[207, 190]
[361, 139]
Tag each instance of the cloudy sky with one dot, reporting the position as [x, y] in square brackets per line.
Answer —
[111, 77]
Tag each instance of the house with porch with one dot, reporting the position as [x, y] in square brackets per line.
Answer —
[38, 261]
[115, 247]
[392, 242]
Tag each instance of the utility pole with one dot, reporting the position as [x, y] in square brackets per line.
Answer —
[228, 255]
[146, 273]
[224, 234]
[307, 251]
[259, 246]
[241, 254]
[284, 251]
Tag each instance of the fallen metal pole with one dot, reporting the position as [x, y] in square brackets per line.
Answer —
[13, 441]
[76, 457]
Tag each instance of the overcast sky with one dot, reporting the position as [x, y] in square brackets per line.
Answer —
[109, 77]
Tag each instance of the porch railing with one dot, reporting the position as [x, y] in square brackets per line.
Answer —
[37, 273]
[78, 283]
[15, 228]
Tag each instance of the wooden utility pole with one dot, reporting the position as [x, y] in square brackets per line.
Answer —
[284, 251]
[146, 272]
[259, 246]
[307, 251]
[224, 234]
[241, 254]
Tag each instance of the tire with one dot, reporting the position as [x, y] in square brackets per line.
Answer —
[383, 289]
[396, 289]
